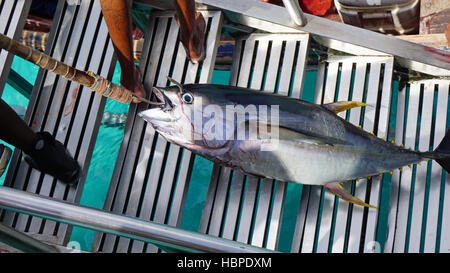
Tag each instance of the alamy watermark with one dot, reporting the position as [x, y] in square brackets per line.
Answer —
[237, 122]
[373, 247]
[75, 245]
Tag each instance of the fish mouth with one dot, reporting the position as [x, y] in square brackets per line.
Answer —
[161, 97]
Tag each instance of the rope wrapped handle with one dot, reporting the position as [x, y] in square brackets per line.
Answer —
[89, 79]
[111, 90]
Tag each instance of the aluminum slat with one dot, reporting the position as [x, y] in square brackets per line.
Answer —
[382, 132]
[254, 207]
[414, 216]
[325, 228]
[53, 104]
[368, 125]
[436, 174]
[12, 20]
[421, 170]
[395, 180]
[304, 235]
[152, 180]
[75, 92]
[359, 186]
[351, 226]
[340, 226]
[406, 174]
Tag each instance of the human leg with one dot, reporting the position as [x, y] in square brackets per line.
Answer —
[41, 150]
[117, 14]
[192, 29]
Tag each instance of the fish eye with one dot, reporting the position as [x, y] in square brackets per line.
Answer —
[187, 98]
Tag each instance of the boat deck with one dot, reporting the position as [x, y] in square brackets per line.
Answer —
[241, 213]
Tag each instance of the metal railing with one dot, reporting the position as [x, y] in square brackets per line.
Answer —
[296, 13]
[161, 235]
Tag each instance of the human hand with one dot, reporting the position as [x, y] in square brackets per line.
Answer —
[133, 82]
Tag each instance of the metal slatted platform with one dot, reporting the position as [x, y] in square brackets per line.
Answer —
[72, 113]
[418, 214]
[151, 176]
[13, 14]
[326, 223]
[246, 208]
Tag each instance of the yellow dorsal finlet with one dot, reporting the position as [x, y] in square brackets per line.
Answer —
[344, 105]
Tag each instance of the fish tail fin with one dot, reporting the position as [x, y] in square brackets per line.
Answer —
[442, 153]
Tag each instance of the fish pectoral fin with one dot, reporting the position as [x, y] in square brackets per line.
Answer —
[343, 105]
[338, 190]
[284, 133]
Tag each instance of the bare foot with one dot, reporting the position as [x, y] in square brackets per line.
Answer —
[194, 42]
[197, 41]
[133, 82]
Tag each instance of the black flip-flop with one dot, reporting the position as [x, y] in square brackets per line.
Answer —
[51, 157]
